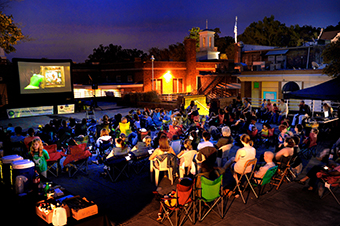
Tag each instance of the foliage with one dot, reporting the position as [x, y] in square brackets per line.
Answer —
[331, 56]
[175, 52]
[10, 33]
[194, 33]
[135, 98]
[269, 32]
[115, 53]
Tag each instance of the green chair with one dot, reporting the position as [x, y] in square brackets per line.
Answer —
[262, 182]
[212, 195]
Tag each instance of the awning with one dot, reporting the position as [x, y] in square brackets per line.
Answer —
[277, 52]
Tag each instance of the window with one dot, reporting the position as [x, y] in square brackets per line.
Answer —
[129, 78]
[210, 42]
[204, 42]
[118, 78]
[158, 85]
[177, 85]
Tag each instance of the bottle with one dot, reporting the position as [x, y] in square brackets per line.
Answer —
[47, 187]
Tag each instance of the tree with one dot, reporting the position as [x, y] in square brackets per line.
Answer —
[269, 32]
[10, 33]
[175, 52]
[331, 56]
[115, 53]
[194, 33]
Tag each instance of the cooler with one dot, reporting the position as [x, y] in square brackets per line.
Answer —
[25, 168]
[5, 167]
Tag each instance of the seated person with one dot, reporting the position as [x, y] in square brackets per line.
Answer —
[287, 151]
[176, 144]
[163, 148]
[144, 145]
[244, 154]
[206, 143]
[18, 137]
[268, 158]
[304, 112]
[311, 140]
[104, 141]
[124, 126]
[300, 133]
[224, 140]
[121, 149]
[265, 132]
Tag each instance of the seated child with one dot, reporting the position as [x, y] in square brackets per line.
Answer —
[265, 132]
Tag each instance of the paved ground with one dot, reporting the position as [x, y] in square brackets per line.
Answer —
[130, 200]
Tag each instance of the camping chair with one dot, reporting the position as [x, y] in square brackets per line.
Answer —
[282, 173]
[140, 158]
[212, 195]
[53, 163]
[248, 177]
[181, 204]
[125, 128]
[162, 166]
[187, 164]
[77, 158]
[329, 184]
[262, 182]
[117, 166]
[225, 152]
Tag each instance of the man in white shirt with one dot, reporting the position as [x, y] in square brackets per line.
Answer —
[206, 143]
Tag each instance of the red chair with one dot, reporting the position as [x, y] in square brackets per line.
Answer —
[77, 158]
[53, 163]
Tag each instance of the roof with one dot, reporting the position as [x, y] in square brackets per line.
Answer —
[329, 35]
[277, 52]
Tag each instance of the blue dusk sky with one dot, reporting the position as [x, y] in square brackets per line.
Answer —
[71, 29]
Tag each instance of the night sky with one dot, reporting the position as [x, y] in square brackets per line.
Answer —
[71, 29]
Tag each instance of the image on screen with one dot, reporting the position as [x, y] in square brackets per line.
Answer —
[44, 77]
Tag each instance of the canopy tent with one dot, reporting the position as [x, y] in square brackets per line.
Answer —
[329, 90]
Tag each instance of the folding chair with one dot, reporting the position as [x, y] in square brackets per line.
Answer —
[239, 180]
[212, 195]
[162, 166]
[187, 163]
[225, 152]
[117, 166]
[182, 205]
[262, 182]
[53, 163]
[140, 158]
[281, 173]
[334, 184]
[77, 159]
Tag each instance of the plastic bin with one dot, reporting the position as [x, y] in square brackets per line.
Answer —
[5, 167]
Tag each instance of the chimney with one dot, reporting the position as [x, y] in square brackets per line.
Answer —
[190, 57]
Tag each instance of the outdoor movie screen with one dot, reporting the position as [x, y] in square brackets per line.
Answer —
[44, 77]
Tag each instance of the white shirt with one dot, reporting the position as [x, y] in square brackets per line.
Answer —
[242, 156]
[204, 144]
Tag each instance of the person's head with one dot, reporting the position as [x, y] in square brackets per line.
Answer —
[124, 120]
[31, 132]
[105, 118]
[268, 156]
[36, 146]
[206, 136]
[298, 128]
[274, 105]
[18, 130]
[104, 132]
[296, 140]
[226, 132]
[120, 143]
[246, 100]
[122, 136]
[283, 128]
[268, 101]
[302, 103]
[246, 140]
[147, 140]
[187, 144]
[136, 117]
[192, 103]
[163, 143]
[289, 142]
[253, 120]
[265, 126]
[64, 123]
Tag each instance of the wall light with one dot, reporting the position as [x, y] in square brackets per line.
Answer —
[167, 76]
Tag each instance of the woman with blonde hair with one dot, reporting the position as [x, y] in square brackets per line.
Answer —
[164, 147]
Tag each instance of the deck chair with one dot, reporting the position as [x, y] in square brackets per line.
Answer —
[181, 205]
[53, 163]
[162, 166]
[77, 159]
[211, 195]
[248, 177]
[262, 182]
[125, 128]
[117, 166]
[331, 184]
[187, 164]
[282, 173]
[225, 152]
